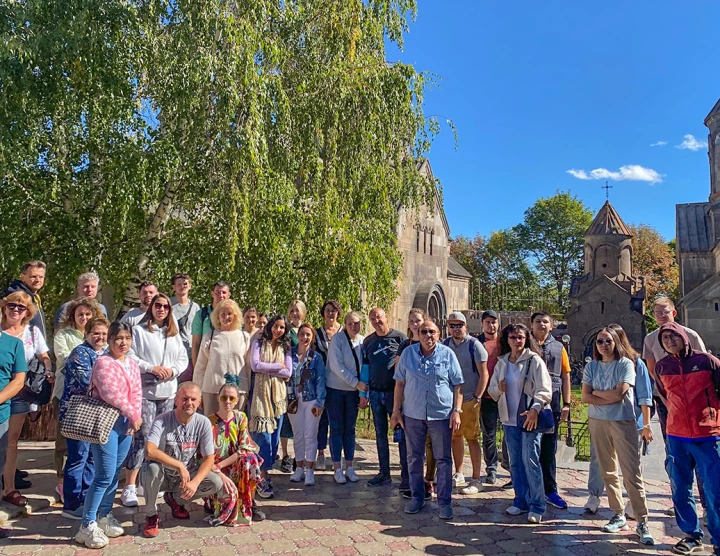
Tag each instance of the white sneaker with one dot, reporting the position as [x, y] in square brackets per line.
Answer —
[297, 475]
[534, 518]
[140, 490]
[340, 477]
[351, 475]
[474, 487]
[514, 510]
[110, 526]
[320, 463]
[128, 498]
[92, 536]
[593, 504]
[458, 480]
[309, 477]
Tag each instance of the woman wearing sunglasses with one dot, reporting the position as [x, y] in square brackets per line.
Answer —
[607, 387]
[520, 373]
[158, 349]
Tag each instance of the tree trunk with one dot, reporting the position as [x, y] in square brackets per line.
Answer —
[42, 429]
[141, 271]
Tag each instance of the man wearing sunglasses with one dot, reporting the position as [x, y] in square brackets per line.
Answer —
[427, 400]
[32, 279]
[148, 290]
[473, 361]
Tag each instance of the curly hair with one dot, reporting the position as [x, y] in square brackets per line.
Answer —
[68, 318]
[234, 309]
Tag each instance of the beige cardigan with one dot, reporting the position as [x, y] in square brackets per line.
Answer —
[220, 353]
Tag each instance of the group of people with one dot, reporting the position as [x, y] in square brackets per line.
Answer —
[208, 398]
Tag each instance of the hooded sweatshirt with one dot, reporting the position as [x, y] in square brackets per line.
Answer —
[690, 383]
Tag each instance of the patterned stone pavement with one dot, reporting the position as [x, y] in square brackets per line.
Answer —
[345, 520]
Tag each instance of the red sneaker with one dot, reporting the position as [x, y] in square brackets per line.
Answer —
[178, 511]
[152, 526]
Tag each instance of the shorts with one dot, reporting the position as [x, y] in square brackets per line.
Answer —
[469, 421]
[21, 407]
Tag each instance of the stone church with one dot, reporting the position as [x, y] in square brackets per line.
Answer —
[698, 250]
[430, 279]
[609, 292]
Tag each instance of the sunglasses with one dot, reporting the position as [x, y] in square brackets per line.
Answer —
[428, 332]
[162, 306]
[516, 337]
[456, 325]
[602, 342]
[16, 307]
[231, 399]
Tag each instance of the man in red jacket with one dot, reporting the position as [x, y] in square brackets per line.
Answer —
[690, 381]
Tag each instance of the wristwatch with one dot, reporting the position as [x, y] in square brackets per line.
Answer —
[478, 398]
[456, 410]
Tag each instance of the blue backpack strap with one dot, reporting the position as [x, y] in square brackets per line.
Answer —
[471, 345]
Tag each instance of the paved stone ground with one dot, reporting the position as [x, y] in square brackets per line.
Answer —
[344, 520]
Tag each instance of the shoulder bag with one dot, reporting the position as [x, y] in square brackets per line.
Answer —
[546, 419]
[292, 407]
[89, 420]
[37, 388]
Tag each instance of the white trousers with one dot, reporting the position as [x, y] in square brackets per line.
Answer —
[305, 429]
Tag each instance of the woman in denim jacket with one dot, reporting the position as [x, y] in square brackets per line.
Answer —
[307, 386]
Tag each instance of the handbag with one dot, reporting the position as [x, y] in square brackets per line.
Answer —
[88, 419]
[149, 379]
[293, 404]
[546, 419]
[37, 388]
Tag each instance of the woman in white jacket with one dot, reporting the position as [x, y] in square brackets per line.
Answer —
[158, 349]
[223, 350]
[521, 370]
[343, 387]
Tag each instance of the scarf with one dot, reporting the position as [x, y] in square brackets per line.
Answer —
[269, 400]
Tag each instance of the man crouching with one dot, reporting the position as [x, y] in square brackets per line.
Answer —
[170, 462]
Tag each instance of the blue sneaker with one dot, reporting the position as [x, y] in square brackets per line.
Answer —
[555, 500]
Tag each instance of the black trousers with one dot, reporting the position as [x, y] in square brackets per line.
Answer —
[548, 447]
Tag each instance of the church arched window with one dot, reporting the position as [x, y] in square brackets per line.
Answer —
[417, 238]
[424, 240]
[432, 236]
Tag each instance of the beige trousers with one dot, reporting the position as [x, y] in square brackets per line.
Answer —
[617, 441]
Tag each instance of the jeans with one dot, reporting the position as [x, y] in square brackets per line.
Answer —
[702, 458]
[154, 480]
[108, 458]
[489, 423]
[79, 473]
[342, 410]
[268, 444]
[382, 406]
[524, 449]
[548, 448]
[323, 430]
[440, 434]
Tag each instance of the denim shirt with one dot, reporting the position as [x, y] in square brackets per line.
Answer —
[429, 382]
[643, 390]
[313, 389]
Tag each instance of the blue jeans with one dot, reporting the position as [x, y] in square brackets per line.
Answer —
[416, 432]
[78, 474]
[342, 410]
[382, 407]
[683, 461]
[268, 444]
[108, 458]
[527, 477]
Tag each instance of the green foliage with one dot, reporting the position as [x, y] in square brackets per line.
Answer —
[266, 143]
[552, 236]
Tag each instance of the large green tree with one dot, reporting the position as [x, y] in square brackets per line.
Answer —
[552, 236]
[265, 142]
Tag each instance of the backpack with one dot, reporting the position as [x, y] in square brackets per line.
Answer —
[205, 313]
[37, 389]
[471, 345]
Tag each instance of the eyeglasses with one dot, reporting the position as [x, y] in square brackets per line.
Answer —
[455, 325]
[601, 342]
[16, 307]
[351, 323]
[225, 399]
[672, 336]
[428, 332]
[516, 337]
[162, 306]
[662, 313]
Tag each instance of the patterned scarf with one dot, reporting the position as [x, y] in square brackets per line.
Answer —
[269, 394]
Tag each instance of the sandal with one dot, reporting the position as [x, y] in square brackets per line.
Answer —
[15, 498]
[689, 545]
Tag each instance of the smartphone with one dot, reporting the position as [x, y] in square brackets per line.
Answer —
[645, 447]
[398, 434]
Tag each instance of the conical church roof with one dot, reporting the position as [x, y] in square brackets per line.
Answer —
[608, 223]
[714, 112]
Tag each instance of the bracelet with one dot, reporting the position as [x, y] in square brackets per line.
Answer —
[646, 427]
[566, 405]
[397, 411]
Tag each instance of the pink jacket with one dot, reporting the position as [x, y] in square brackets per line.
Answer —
[110, 383]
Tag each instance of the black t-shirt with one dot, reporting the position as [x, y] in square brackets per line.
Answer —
[380, 353]
[406, 344]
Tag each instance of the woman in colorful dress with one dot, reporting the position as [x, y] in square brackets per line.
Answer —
[236, 458]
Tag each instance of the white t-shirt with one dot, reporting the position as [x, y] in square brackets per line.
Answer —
[33, 342]
[513, 380]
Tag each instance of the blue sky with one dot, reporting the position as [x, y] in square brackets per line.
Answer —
[536, 89]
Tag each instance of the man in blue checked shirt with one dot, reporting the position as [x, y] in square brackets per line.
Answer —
[428, 399]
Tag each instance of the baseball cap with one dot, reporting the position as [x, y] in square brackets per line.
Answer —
[457, 316]
[491, 314]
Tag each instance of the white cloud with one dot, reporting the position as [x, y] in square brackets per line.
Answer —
[631, 172]
[691, 143]
[659, 144]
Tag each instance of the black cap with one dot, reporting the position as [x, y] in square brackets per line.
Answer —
[490, 313]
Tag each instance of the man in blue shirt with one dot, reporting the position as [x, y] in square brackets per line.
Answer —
[428, 398]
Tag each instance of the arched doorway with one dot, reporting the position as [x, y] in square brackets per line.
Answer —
[430, 297]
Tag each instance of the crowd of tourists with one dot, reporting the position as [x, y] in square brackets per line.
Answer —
[198, 403]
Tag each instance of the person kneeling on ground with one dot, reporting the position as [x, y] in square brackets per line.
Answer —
[171, 465]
